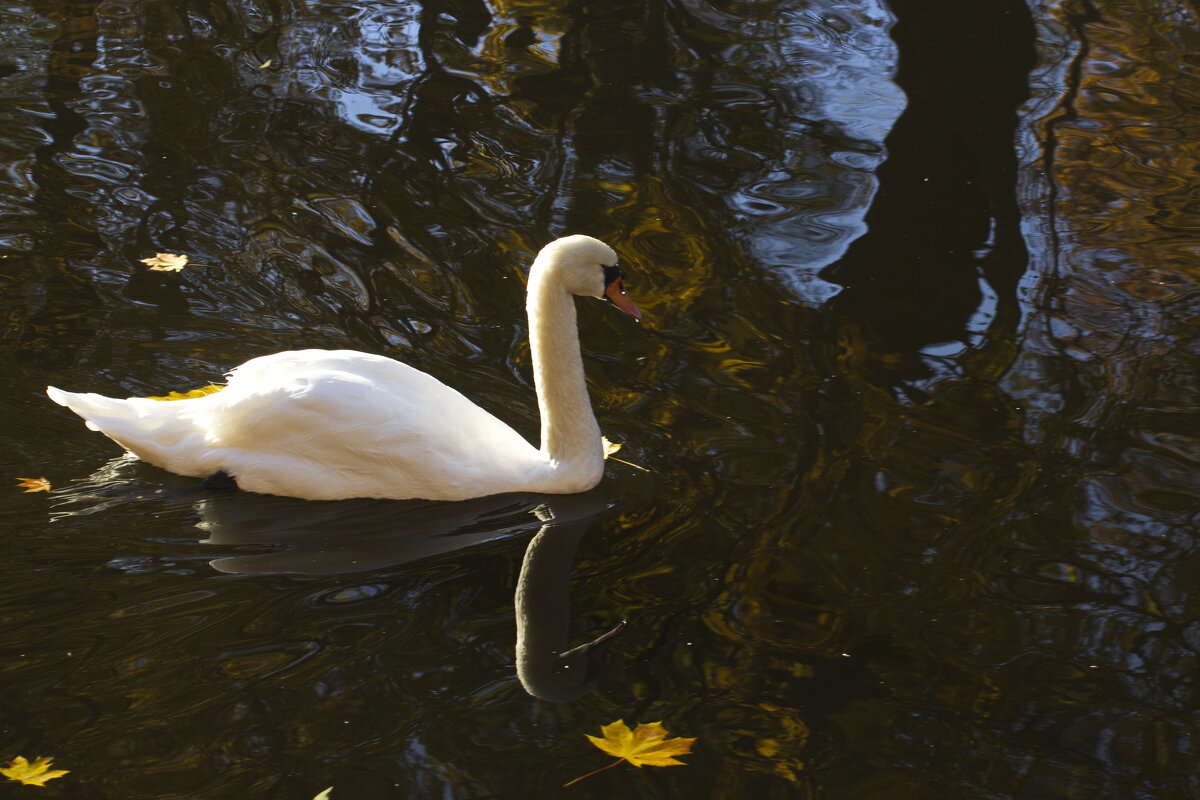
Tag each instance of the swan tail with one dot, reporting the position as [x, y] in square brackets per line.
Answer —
[150, 429]
[96, 409]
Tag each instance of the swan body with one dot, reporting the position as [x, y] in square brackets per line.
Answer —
[335, 424]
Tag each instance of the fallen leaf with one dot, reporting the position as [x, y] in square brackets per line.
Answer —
[212, 388]
[325, 794]
[166, 262]
[33, 484]
[612, 447]
[264, 65]
[646, 745]
[31, 774]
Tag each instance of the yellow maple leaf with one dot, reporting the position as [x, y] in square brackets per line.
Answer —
[32, 774]
[212, 388]
[646, 745]
[166, 262]
[33, 484]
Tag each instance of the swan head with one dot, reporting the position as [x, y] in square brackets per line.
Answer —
[586, 266]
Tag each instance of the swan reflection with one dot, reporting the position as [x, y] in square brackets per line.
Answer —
[264, 534]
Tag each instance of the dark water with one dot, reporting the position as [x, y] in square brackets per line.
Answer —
[916, 388]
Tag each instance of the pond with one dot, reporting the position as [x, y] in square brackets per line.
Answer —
[909, 490]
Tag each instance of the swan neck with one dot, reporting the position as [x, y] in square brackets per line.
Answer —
[570, 435]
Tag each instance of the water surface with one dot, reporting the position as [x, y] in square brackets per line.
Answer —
[915, 388]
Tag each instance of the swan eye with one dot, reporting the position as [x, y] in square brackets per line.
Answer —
[614, 292]
[611, 274]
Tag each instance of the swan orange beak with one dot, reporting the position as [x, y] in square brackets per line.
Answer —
[615, 291]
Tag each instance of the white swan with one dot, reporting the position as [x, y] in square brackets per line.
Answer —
[334, 424]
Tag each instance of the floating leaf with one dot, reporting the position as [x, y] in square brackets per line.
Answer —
[212, 388]
[325, 794]
[33, 484]
[31, 774]
[166, 262]
[612, 447]
[647, 745]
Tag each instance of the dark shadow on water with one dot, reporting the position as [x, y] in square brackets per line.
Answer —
[346, 536]
[945, 219]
